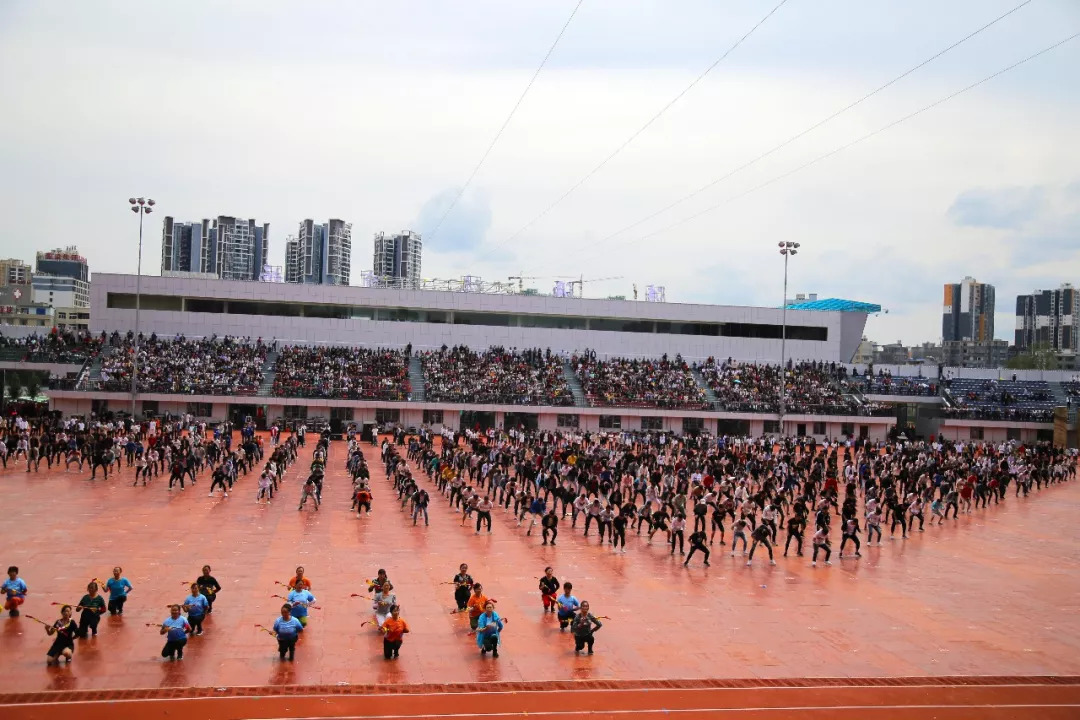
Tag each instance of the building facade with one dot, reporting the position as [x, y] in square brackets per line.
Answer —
[988, 354]
[968, 311]
[320, 254]
[426, 319]
[183, 245]
[228, 247]
[1048, 319]
[398, 257]
[14, 272]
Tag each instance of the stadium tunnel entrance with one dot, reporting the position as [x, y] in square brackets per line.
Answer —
[518, 420]
[241, 414]
[477, 420]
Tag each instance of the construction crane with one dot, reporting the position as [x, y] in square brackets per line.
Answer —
[580, 282]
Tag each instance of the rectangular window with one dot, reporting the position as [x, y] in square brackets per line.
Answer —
[864, 431]
[819, 428]
[567, 421]
[976, 433]
[771, 427]
[847, 429]
[295, 412]
[199, 410]
[610, 422]
[739, 428]
[387, 415]
[150, 407]
[433, 417]
[693, 425]
[652, 423]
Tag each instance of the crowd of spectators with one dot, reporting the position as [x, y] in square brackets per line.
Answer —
[1000, 412]
[884, 383]
[211, 366]
[1000, 392]
[57, 346]
[620, 382]
[496, 375]
[809, 387]
[344, 373]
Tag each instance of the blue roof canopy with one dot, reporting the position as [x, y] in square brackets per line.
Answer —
[836, 305]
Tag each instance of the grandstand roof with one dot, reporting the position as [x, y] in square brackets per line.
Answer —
[836, 305]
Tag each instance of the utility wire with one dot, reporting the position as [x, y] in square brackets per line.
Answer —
[646, 126]
[506, 122]
[855, 142]
[813, 127]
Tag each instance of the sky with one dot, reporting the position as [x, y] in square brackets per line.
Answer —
[377, 113]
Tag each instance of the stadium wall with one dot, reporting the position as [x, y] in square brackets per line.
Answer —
[412, 413]
[173, 306]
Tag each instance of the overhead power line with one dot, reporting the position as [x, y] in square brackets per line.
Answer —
[853, 143]
[813, 127]
[506, 122]
[646, 126]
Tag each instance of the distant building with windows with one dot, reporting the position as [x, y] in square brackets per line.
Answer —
[397, 257]
[968, 311]
[14, 272]
[227, 247]
[1049, 319]
[320, 254]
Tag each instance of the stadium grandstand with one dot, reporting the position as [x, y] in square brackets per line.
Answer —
[281, 353]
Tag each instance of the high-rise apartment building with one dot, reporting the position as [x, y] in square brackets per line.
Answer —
[968, 312]
[320, 254]
[1049, 319]
[229, 247]
[397, 258]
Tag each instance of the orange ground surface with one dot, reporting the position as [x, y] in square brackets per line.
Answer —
[995, 593]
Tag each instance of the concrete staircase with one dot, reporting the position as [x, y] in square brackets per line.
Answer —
[704, 385]
[416, 379]
[575, 385]
[267, 387]
[93, 373]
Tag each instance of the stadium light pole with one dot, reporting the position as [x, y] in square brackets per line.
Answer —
[142, 207]
[787, 249]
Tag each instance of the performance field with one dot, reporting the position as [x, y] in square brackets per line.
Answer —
[975, 618]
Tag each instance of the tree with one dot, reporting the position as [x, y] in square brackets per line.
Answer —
[1039, 357]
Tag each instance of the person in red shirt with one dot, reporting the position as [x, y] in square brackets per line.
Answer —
[393, 629]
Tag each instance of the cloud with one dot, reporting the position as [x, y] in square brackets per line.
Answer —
[465, 228]
[1007, 208]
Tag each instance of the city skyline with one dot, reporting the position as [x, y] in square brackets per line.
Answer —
[965, 188]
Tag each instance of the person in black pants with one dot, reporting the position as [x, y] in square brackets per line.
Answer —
[209, 587]
[851, 532]
[463, 583]
[92, 606]
[483, 514]
[550, 525]
[761, 536]
[584, 626]
[898, 518]
[618, 533]
[697, 544]
[795, 528]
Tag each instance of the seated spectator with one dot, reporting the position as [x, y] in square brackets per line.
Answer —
[496, 375]
[661, 383]
[342, 373]
[58, 346]
[210, 366]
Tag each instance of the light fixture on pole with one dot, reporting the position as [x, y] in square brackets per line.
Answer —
[143, 207]
[787, 249]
